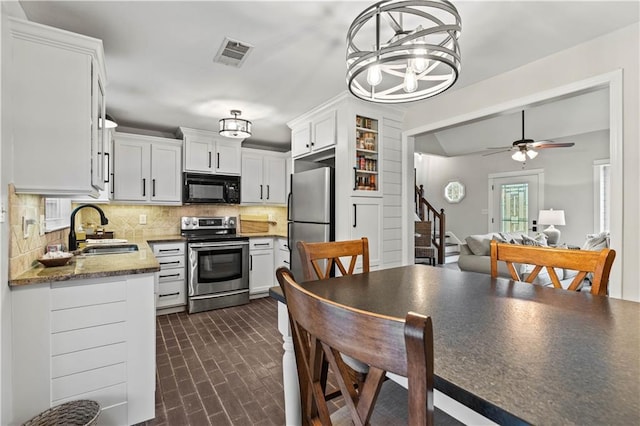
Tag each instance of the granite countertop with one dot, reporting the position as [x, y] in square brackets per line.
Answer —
[262, 234]
[94, 266]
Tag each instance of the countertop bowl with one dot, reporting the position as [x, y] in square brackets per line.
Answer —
[56, 261]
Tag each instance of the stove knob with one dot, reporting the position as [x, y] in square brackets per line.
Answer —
[232, 222]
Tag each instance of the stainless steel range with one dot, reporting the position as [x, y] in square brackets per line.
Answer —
[218, 263]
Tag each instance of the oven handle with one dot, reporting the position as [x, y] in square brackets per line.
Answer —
[214, 245]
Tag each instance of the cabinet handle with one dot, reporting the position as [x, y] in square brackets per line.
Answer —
[261, 192]
[218, 160]
[165, 250]
[144, 187]
[106, 154]
[153, 185]
[169, 294]
[355, 179]
[113, 182]
[307, 145]
[209, 159]
[267, 192]
[313, 144]
[167, 276]
[355, 215]
[250, 262]
[286, 262]
[170, 263]
[260, 244]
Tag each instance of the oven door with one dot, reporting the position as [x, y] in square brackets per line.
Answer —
[216, 267]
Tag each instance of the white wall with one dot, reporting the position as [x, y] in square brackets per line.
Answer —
[617, 50]
[568, 184]
[6, 413]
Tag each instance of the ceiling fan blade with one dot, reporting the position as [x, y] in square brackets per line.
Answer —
[499, 147]
[496, 152]
[553, 145]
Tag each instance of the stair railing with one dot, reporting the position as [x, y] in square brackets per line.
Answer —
[427, 212]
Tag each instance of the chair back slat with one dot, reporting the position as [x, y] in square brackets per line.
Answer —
[313, 255]
[386, 344]
[598, 263]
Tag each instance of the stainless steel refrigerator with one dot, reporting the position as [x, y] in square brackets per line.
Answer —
[310, 211]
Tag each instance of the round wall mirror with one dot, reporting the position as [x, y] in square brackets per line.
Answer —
[454, 191]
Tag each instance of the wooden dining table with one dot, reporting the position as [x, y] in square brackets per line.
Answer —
[512, 352]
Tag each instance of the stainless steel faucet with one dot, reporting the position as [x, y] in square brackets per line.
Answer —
[72, 234]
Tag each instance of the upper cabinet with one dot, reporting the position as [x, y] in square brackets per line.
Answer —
[315, 134]
[147, 169]
[264, 177]
[207, 152]
[56, 86]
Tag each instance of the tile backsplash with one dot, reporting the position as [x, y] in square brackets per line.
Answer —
[124, 221]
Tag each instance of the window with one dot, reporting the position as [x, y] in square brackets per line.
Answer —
[514, 207]
[57, 213]
[601, 195]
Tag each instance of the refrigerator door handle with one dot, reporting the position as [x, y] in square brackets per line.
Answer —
[289, 206]
[355, 215]
[289, 234]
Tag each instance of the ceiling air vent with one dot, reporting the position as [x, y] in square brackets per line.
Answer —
[232, 52]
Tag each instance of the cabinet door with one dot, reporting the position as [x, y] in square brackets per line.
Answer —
[98, 133]
[131, 170]
[251, 187]
[228, 157]
[261, 274]
[166, 181]
[198, 154]
[275, 175]
[324, 131]
[366, 221]
[301, 140]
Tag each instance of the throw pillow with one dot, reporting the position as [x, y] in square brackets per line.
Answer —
[596, 242]
[480, 245]
[539, 240]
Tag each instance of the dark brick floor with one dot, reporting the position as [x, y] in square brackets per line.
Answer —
[222, 367]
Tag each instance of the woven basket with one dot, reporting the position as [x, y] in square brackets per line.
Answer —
[82, 412]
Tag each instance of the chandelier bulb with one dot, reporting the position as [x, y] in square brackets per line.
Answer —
[374, 75]
[420, 63]
[410, 80]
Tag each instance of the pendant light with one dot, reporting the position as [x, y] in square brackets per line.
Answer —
[415, 53]
[235, 127]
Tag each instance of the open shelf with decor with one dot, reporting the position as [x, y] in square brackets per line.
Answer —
[365, 170]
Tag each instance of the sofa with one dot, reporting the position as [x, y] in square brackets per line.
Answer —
[475, 254]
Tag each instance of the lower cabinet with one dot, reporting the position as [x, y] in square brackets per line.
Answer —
[366, 221]
[261, 272]
[282, 255]
[85, 339]
[171, 294]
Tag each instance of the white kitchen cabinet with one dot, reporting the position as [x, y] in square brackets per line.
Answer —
[366, 221]
[315, 134]
[104, 195]
[207, 152]
[147, 169]
[56, 99]
[263, 177]
[281, 252]
[85, 339]
[261, 274]
[172, 284]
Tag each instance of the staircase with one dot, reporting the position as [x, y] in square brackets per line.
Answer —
[451, 248]
[426, 211]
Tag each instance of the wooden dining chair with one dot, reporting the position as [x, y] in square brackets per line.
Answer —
[313, 255]
[593, 264]
[322, 330]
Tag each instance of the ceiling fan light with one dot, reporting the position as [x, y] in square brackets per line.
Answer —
[531, 154]
[519, 156]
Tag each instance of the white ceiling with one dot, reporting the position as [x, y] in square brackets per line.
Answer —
[161, 75]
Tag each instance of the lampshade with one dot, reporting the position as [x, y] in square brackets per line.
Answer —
[403, 50]
[235, 127]
[551, 217]
[519, 156]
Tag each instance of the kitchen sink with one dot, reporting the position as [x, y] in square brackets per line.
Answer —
[109, 249]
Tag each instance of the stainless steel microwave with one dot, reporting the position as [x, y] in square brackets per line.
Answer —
[210, 189]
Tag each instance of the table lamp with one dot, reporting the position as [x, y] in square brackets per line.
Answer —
[551, 217]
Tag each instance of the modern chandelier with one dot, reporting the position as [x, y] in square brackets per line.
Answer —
[403, 50]
[235, 127]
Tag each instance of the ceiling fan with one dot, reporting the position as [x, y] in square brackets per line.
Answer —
[524, 147]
